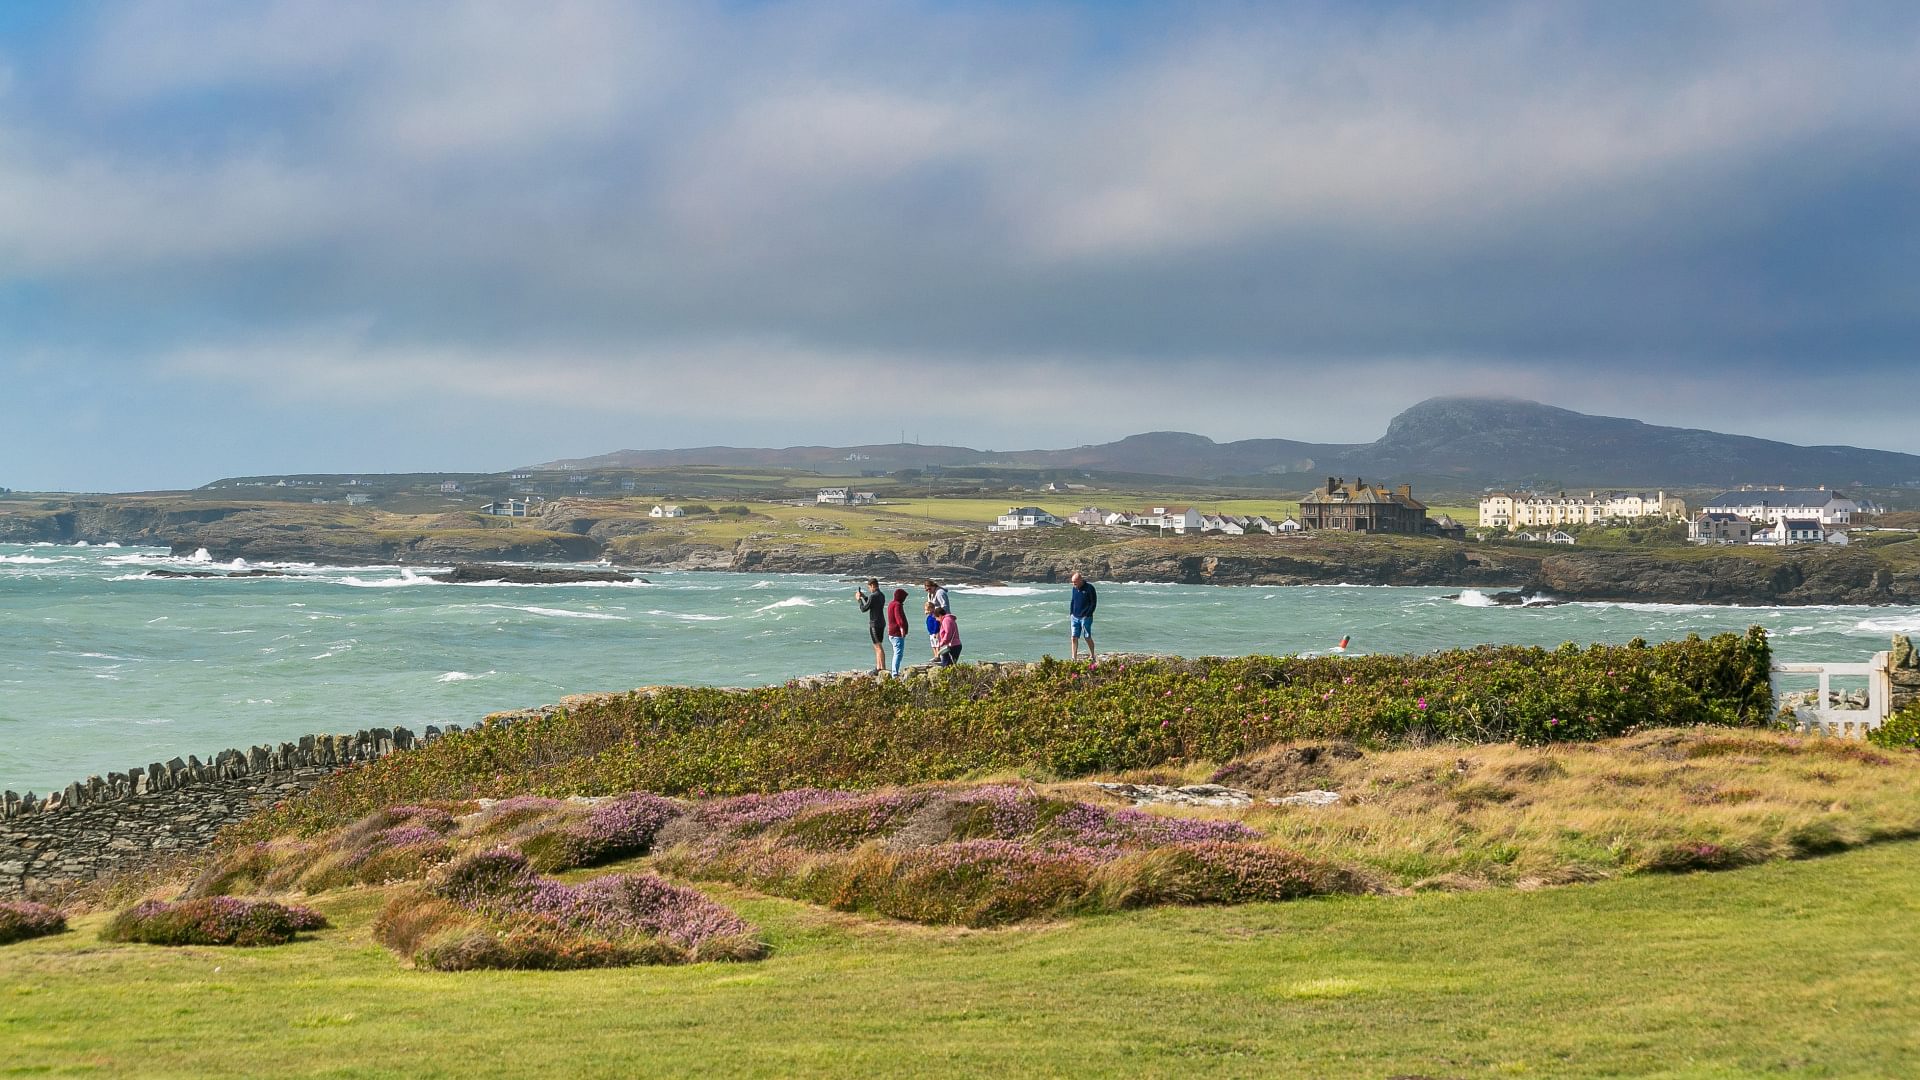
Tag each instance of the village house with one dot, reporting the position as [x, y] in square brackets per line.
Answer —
[666, 511]
[1180, 519]
[450, 487]
[1363, 507]
[839, 496]
[1091, 515]
[1791, 531]
[1766, 505]
[1024, 517]
[506, 508]
[1711, 527]
[1507, 510]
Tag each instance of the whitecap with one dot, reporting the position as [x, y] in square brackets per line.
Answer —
[407, 577]
[113, 544]
[1001, 590]
[791, 601]
[689, 616]
[562, 613]
[1907, 623]
[461, 676]
[200, 555]
[1474, 598]
[22, 560]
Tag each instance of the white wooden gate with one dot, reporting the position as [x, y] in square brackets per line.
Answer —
[1820, 717]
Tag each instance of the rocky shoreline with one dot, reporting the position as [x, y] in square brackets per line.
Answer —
[1773, 578]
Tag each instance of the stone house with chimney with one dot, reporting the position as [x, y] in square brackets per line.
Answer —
[1363, 507]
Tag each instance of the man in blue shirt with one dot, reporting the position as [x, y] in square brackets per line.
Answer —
[1080, 605]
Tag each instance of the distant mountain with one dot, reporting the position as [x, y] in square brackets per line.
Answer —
[1452, 443]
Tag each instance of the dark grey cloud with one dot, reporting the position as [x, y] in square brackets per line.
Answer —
[694, 224]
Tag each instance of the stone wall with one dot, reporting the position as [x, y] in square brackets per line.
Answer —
[120, 821]
[1903, 672]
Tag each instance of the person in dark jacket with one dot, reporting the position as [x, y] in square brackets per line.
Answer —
[874, 603]
[897, 629]
[1080, 604]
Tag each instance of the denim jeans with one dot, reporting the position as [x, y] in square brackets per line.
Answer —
[896, 648]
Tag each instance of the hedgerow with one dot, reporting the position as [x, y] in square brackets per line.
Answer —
[1055, 719]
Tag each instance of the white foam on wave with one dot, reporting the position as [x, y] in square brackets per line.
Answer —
[111, 544]
[462, 676]
[22, 560]
[407, 578]
[1474, 598]
[689, 616]
[1002, 590]
[761, 585]
[557, 613]
[80, 543]
[791, 601]
[200, 555]
[1908, 623]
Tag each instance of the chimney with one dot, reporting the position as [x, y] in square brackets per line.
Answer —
[1333, 482]
[1359, 481]
[1405, 491]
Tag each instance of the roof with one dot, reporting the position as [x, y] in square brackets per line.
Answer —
[1775, 497]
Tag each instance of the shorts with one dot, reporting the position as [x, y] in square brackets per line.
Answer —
[1082, 625]
[878, 632]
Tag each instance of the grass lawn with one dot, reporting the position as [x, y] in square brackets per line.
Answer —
[1799, 969]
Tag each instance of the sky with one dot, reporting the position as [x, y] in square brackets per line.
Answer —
[259, 236]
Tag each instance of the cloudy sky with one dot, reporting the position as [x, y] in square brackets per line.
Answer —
[261, 236]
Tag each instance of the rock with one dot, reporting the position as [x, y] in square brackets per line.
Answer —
[475, 573]
[1190, 795]
[1308, 798]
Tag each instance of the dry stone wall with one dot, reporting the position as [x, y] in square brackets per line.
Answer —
[122, 820]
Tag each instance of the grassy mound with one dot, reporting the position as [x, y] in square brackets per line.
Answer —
[1053, 720]
[982, 856]
[1454, 816]
[490, 910]
[23, 919]
[213, 920]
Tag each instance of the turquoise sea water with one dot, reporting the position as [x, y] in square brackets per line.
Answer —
[102, 668]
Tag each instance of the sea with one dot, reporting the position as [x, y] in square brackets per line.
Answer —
[103, 668]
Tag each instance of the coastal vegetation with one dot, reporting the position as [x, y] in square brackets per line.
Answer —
[1623, 977]
[23, 919]
[1051, 721]
[212, 920]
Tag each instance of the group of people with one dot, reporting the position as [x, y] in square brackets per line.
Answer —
[887, 622]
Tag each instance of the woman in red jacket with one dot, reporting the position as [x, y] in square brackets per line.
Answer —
[897, 629]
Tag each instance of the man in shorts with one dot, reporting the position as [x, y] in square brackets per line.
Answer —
[1080, 604]
[874, 603]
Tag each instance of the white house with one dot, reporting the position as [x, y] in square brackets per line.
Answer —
[1558, 537]
[839, 496]
[1181, 519]
[1024, 517]
[359, 500]
[1118, 517]
[1287, 526]
[508, 508]
[1221, 523]
[667, 511]
[1091, 515]
[1792, 531]
[1767, 505]
[450, 486]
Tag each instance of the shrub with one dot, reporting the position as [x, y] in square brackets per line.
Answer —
[1901, 731]
[978, 883]
[616, 829]
[490, 910]
[1062, 719]
[1223, 872]
[213, 920]
[23, 919]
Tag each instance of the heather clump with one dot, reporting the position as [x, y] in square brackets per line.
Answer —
[23, 919]
[1224, 872]
[489, 909]
[971, 856]
[213, 920]
[615, 829]
[397, 843]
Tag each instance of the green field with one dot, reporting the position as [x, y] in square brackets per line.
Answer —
[1792, 969]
